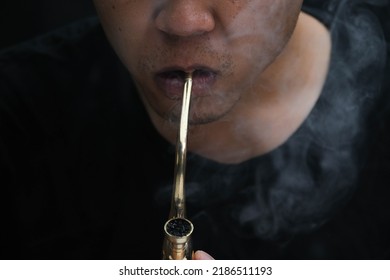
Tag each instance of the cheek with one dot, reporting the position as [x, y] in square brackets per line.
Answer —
[254, 41]
[257, 36]
[260, 31]
[126, 24]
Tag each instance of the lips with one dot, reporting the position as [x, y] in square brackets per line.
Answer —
[171, 81]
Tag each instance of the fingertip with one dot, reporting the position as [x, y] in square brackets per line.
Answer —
[201, 255]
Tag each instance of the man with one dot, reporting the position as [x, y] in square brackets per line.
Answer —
[280, 156]
[241, 65]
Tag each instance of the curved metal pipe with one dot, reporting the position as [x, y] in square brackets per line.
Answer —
[177, 240]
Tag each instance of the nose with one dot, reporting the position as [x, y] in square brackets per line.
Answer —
[185, 18]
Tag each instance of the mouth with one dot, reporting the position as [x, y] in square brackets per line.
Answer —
[171, 81]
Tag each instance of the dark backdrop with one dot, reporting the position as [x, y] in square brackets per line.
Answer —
[21, 20]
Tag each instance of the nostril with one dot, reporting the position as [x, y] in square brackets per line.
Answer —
[185, 19]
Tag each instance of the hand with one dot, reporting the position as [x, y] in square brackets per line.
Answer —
[201, 255]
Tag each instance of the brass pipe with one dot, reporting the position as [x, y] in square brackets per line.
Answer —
[177, 240]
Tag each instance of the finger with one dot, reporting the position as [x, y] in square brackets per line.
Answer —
[201, 255]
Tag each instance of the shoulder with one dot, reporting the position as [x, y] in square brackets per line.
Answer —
[63, 63]
[75, 34]
[75, 43]
[58, 77]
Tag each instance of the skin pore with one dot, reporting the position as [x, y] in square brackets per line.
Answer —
[258, 65]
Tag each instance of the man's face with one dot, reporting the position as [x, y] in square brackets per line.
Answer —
[226, 44]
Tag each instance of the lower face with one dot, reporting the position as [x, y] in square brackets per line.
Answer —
[159, 41]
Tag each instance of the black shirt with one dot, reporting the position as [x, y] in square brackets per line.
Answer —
[84, 174]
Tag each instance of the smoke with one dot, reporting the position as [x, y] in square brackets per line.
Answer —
[300, 185]
[316, 172]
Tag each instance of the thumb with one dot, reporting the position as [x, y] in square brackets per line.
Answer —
[201, 255]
